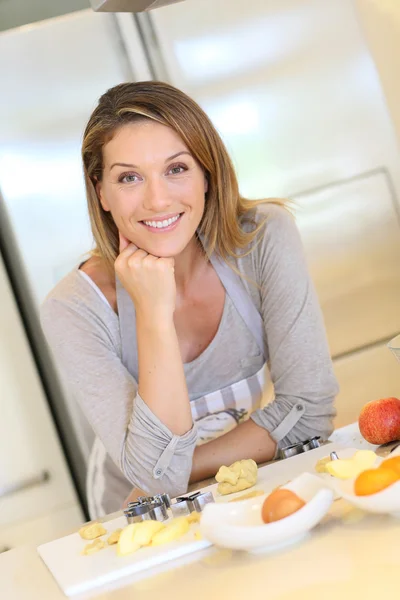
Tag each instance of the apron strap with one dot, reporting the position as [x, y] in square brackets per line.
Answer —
[242, 301]
[127, 326]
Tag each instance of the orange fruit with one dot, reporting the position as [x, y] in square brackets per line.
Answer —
[391, 463]
[372, 481]
[280, 504]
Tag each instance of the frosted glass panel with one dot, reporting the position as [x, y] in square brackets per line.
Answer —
[289, 84]
[52, 74]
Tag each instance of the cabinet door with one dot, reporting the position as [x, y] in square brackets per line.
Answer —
[64, 521]
[29, 445]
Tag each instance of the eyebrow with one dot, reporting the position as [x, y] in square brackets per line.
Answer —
[120, 164]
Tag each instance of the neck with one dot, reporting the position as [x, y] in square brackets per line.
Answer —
[188, 264]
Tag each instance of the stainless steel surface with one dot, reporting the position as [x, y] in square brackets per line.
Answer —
[158, 512]
[334, 456]
[311, 444]
[196, 502]
[164, 499]
[180, 509]
[148, 507]
[143, 500]
[25, 484]
[305, 446]
[137, 512]
[290, 451]
[200, 501]
[131, 6]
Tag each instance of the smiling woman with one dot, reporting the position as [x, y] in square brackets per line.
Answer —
[193, 299]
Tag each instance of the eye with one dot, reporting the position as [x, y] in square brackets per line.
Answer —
[177, 169]
[128, 178]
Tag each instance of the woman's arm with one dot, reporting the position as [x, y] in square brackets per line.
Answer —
[82, 332]
[247, 440]
[299, 359]
[150, 282]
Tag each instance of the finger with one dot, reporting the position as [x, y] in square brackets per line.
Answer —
[133, 496]
[124, 243]
[135, 257]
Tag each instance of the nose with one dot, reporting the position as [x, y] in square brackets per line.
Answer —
[156, 198]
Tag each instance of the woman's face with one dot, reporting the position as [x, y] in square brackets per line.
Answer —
[153, 187]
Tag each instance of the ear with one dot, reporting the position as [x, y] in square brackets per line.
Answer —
[100, 195]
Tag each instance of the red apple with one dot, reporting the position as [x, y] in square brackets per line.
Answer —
[379, 421]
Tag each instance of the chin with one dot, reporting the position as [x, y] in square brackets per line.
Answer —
[166, 249]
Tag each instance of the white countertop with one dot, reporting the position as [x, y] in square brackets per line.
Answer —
[351, 554]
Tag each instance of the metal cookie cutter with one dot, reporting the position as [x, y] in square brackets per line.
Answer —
[158, 498]
[184, 505]
[164, 499]
[311, 444]
[137, 512]
[148, 507]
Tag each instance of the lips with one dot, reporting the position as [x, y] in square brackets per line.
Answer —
[162, 224]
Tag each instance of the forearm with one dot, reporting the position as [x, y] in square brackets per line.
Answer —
[247, 440]
[162, 383]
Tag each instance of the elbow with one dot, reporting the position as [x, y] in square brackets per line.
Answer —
[146, 471]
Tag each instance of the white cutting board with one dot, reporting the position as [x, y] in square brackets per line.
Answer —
[77, 574]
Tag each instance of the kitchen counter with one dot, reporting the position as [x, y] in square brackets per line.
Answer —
[351, 554]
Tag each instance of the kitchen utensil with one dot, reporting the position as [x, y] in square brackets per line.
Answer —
[184, 505]
[311, 444]
[386, 449]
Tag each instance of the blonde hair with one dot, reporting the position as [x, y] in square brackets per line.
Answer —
[221, 226]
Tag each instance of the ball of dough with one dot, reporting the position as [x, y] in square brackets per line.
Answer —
[240, 476]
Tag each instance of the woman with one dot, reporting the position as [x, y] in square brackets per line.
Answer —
[193, 300]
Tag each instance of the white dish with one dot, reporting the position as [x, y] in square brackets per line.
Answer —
[239, 526]
[385, 502]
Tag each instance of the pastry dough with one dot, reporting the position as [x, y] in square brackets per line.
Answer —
[93, 547]
[240, 476]
[91, 531]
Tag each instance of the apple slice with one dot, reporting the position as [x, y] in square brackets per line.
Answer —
[351, 467]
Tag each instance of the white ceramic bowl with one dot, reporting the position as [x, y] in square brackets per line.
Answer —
[385, 502]
[238, 525]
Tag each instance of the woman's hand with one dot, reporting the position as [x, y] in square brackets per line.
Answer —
[133, 496]
[149, 280]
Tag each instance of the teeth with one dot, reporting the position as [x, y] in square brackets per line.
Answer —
[161, 224]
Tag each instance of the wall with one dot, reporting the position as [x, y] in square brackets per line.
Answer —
[380, 21]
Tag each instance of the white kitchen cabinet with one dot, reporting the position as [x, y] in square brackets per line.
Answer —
[29, 444]
[63, 521]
